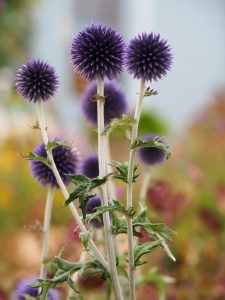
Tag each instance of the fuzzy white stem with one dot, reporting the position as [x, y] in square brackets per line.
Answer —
[144, 188]
[46, 226]
[93, 248]
[134, 133]
[104, 197]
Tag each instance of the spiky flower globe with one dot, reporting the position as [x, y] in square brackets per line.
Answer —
[23, 288]
[66, 160]
[93, 203]
[115, 102]
[148, 57]
[36, 80]
[152, 155]
[90, 167]
[97, 50]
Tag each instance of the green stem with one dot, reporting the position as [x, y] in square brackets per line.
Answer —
[104, 196]
[130, 190]
[46, 226]
[93, 248]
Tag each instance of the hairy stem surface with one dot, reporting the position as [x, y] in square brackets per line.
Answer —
[103, 190]
[134, 134]
[93, 248]
[46, 227]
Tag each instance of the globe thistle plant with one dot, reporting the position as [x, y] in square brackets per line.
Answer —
[97, 51]
[90, 167]
[92, 204]
[115, 102]
[23, 289]
[66, 160]
[148, 57]
[152, 155]
[36, 80]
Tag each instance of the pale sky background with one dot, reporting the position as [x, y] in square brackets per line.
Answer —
[194, 28]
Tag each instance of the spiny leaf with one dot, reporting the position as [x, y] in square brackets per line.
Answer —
[71, 284]
[142, 249]
[115, 207]
[122, 171]
[85, 237]
[83, 186]
[126, 122]
[156, 142]
[33, 156]
[54, 144]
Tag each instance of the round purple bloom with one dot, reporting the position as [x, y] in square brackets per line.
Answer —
[97, 50]
[66, 160]
[36, 80]
[115, 102]
[93, 203]
[23, 288]
[152, 155]
[90, 167]
[148, 57]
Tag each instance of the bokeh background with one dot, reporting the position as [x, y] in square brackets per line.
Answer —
[187, 192]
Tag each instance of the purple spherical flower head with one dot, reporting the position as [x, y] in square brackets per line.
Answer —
[152, 155]
[90, 167]
[93, 203]
[36, 80]
[148, 57]
[115, 102]
[66, 160]
[23, 288]
[97, 50]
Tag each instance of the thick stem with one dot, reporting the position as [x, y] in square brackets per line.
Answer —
[104, 197]
[144, 188]
[46, 226]
[130, 190]
[93, 248]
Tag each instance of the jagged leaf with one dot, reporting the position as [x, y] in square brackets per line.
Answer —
[85, 237]
[33, 156]
[125, 122]
[122, 171]
[142, 249]
[83, 186]
[54, 144]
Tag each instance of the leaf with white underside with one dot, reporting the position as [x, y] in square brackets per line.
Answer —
[33, 156]
[54, 144]
[125, 122]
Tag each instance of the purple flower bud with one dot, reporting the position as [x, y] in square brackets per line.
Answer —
[148, 57]
[93, 203]
[97, 51]
[36, 80]
[90, 167]
[23, 288]
[66, 160]
[152, 155]
[115, 102]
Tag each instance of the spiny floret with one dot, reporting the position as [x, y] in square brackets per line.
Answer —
[152, 155]
[90, 166]
[23, 288]
[115, 102]
[97, 50]
[36, 80]
[148, 57]
[92, 204]
[66, 160]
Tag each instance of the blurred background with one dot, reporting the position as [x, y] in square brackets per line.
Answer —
[187, 192]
